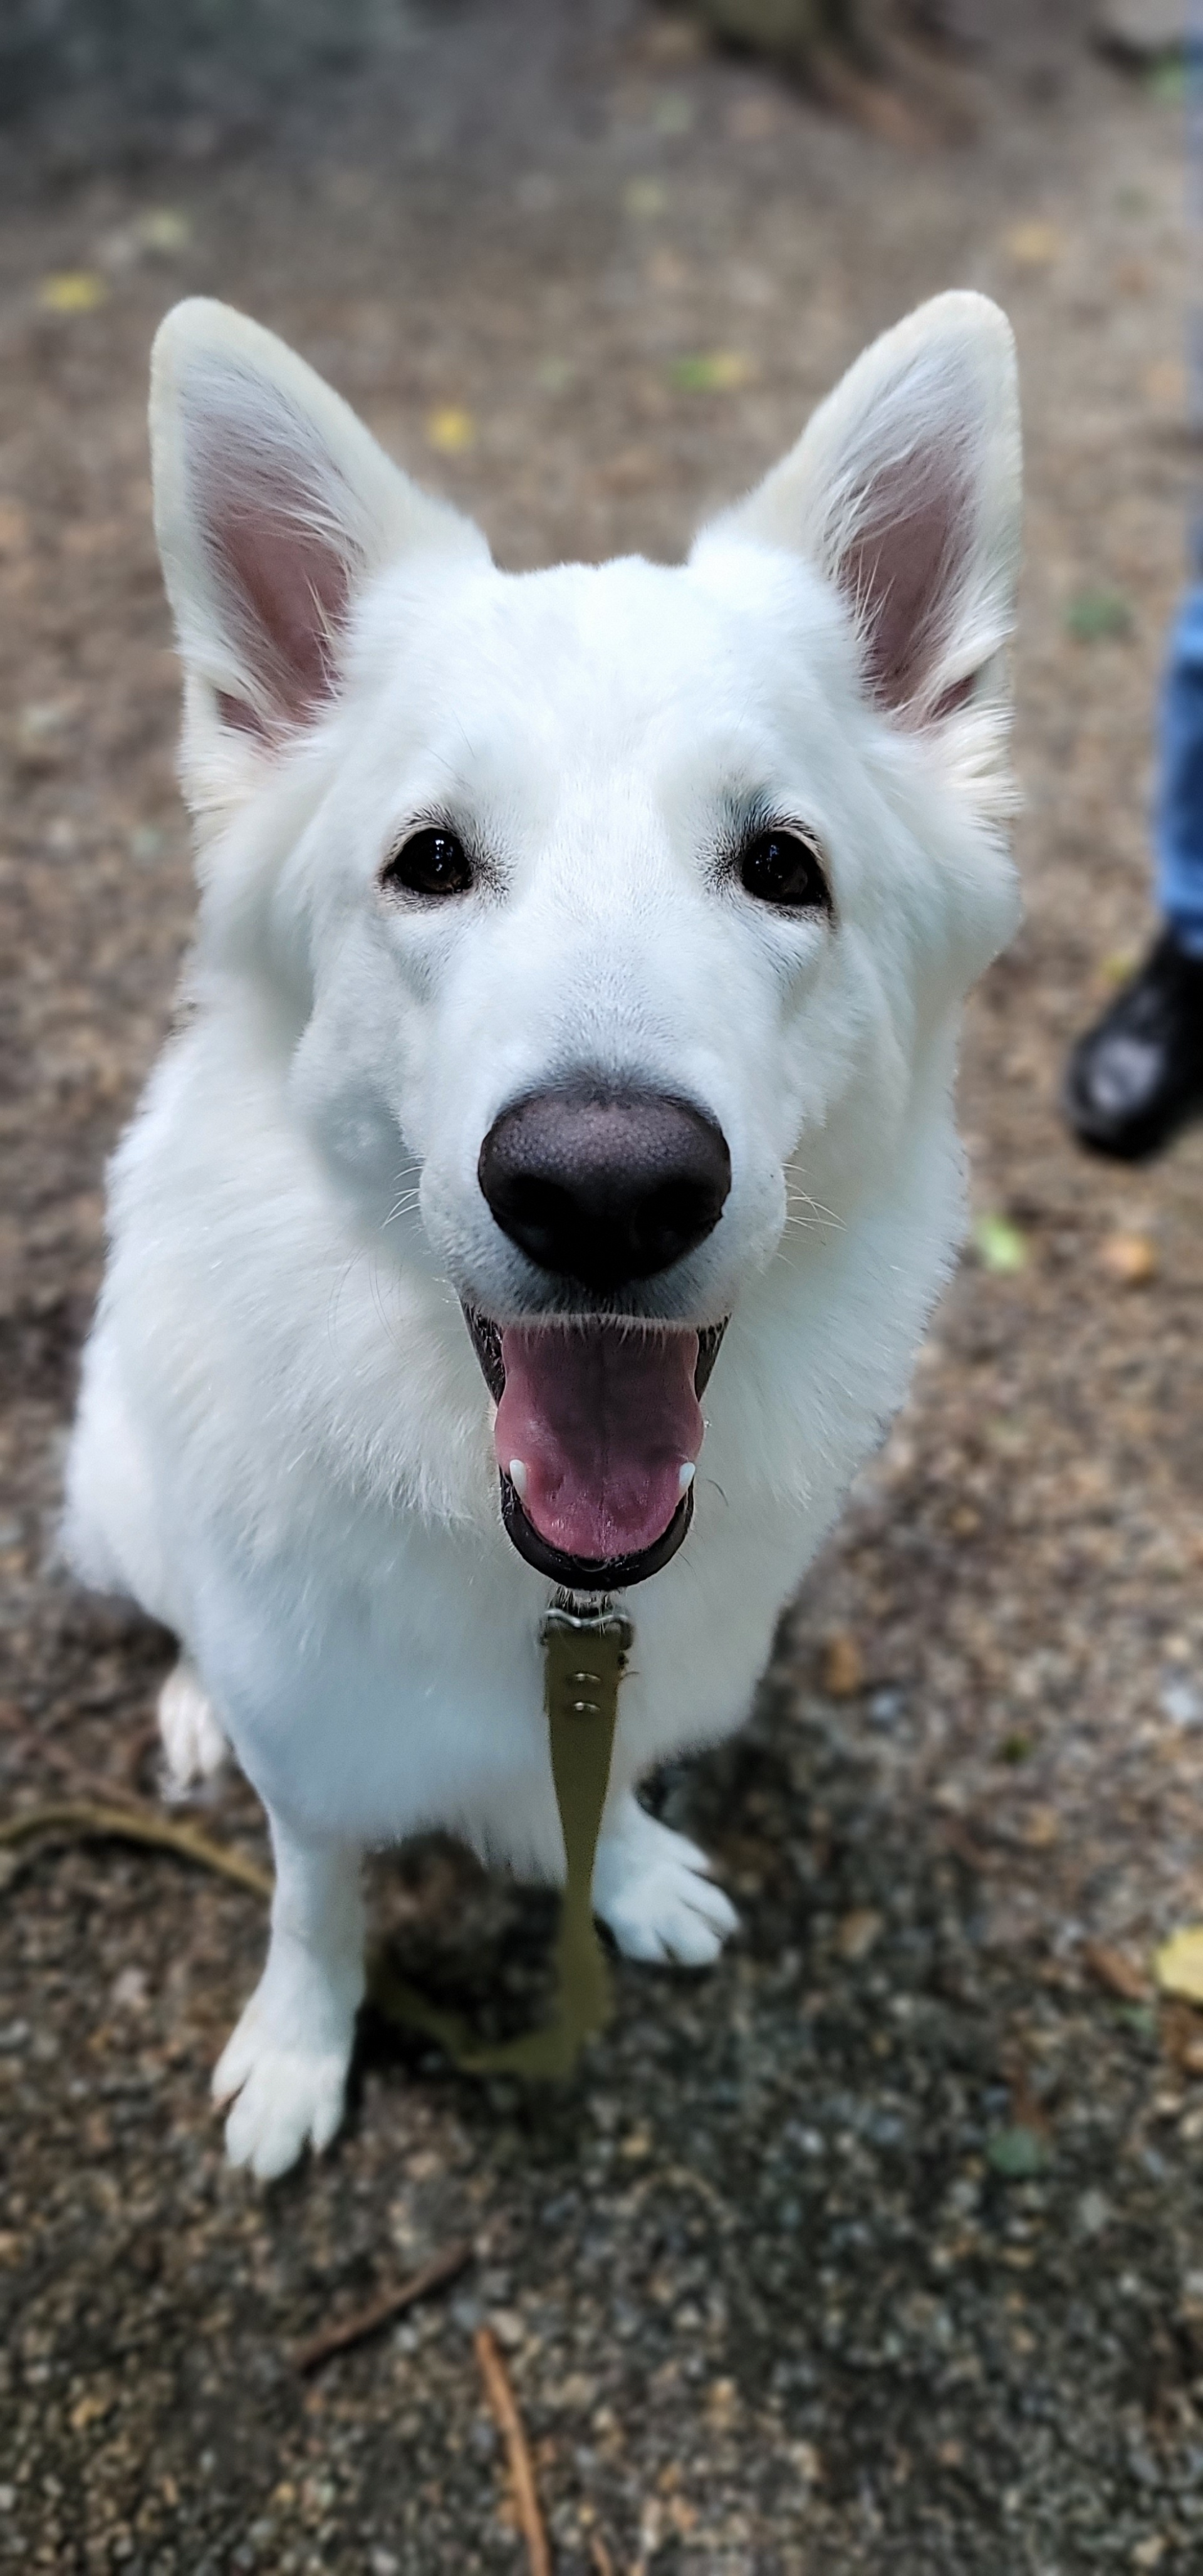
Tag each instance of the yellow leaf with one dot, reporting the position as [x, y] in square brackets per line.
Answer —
[1035, 245]
[1178, 1964]
[451, 429]
[72, 290]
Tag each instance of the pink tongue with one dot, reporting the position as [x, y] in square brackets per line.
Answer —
[603, 1420]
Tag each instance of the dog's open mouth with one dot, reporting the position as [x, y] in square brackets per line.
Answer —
[598, 1431]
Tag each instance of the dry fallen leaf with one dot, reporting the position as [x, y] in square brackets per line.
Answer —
[1130, 1258]
[1178, 1964]
[843, 1668]
[1121, 1976]
[1182, 2037]
[1035, 244]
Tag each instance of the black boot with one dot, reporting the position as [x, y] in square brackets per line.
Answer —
[1137, 1075]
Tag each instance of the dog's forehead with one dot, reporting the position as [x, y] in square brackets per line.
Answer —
[615, 656]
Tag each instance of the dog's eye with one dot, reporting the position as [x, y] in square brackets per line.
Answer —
[780, 867]
[429, 863]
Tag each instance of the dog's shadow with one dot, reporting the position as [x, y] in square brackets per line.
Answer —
[480, 1945]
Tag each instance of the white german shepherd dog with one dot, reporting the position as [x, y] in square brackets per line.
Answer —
[571, 1029]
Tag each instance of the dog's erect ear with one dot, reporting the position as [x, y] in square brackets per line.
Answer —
[905, 492]
[273, 504]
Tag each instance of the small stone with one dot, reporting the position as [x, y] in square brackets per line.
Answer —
[1150, 2552]
[129, 1990]
[1129, 1258]
[1016, 2153]
[843, 1668]
[858, 1933]
[1182, 1704]
[1094, 2213]
[886, 1707]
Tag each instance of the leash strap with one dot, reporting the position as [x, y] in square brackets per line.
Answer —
[584, 1657]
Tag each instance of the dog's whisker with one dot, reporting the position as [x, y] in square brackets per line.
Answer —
[409, 1200]
[336, 1294]
[797, 1198]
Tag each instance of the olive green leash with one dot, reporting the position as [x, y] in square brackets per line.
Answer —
[584, 1658]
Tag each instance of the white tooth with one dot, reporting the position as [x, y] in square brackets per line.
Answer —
[686, 1477]
[518, 1477]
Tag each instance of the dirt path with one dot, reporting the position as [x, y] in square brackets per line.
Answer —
[880, 2248]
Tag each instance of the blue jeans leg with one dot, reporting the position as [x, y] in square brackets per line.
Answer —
[1179, 817]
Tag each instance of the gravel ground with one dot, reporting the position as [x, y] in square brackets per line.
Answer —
[878, 2248]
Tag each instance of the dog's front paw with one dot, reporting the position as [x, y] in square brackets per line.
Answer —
[288, 2096]
[655, 1891]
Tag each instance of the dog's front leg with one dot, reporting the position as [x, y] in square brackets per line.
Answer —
[287, 2060]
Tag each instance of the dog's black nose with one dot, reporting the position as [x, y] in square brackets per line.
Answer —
[605, 1186]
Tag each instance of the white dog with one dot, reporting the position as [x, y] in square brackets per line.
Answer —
[576, 990]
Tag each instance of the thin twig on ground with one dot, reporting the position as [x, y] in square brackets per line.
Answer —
[336, 2338]
[133, 1824]
[522, 2473]
[600, 2555]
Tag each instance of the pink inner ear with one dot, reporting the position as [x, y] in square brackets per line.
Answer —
[900, 572]
[289, 596]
